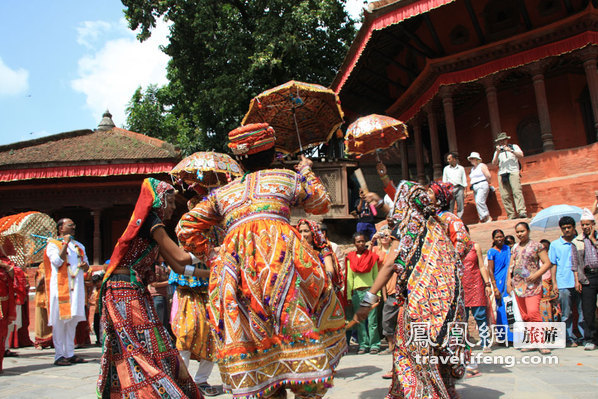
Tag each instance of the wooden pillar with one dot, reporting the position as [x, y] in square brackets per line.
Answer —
[435, 146]
[492, 100]
[537, 70]
[589, 65]
[449, 118]
[404, 160]
[97, 236]
[419, 151]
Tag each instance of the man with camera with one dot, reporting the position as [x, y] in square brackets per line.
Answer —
[507, 158]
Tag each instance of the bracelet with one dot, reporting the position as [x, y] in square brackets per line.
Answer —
[194, 259]
[189, 270]
[370, 298]
[487, 284]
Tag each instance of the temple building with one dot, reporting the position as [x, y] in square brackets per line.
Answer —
[459, 72]
[90, 176]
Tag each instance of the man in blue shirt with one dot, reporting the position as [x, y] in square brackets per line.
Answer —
[560, 255]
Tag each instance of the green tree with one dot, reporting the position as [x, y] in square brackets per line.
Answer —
[224, 52]
[150, 112]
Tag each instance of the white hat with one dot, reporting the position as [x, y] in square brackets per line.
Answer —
[587, 215]
[475, 155]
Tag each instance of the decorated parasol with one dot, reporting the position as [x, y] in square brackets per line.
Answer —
[208, 169]
[373, 132]
[24, 236]
[302, 114]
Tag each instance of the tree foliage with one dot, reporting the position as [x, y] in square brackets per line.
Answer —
[224, 52]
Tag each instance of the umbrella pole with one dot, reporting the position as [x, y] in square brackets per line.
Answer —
[297, 130]
[378, 156]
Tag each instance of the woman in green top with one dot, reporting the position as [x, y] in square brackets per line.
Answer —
[362, 270]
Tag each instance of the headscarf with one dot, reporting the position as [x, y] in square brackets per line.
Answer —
[151, 198]
[320, 241]
[251, 139]
[427, 263]
[443, 192]
[412, 207]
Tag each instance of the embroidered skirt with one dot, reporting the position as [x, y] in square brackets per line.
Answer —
[277, 321]
[138, 357]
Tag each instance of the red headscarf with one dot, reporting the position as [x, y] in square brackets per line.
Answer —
[152, 198]
[443, 192]
[319, 241]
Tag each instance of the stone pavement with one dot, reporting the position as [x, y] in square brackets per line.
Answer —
[32, 375]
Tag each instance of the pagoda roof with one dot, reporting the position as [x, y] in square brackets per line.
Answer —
[86, 153]
[406, 50]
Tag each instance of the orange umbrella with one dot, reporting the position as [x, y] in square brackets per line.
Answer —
[374, 132]
[302, 114]
[207, 168]
[23, 236]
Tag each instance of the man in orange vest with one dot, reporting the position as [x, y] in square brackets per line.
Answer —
[65, 262]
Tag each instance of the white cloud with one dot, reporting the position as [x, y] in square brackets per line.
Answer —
[12, 81]
[88, 32]
[110, 76]
[355, 8]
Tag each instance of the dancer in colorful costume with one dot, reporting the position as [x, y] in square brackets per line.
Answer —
[138, 357]
[429, 295]
[189, 316]
[311, 233]
[277, 322]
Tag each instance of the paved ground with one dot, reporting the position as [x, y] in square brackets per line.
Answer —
[32, 375]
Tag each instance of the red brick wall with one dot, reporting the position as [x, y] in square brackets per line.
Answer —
[557, 177]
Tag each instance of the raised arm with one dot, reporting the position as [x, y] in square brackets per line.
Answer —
[310, 193]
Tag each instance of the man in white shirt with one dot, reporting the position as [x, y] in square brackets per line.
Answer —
[455, 174]
[65, 262]
[507, 158]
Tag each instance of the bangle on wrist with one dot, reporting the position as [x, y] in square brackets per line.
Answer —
[194, 259]
[370, 298]
[189, 270]
[487, 284]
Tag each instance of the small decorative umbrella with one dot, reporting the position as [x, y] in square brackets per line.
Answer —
[549, 217]
[208, 169]
[302, 114]
[373, 132]
[23, 236]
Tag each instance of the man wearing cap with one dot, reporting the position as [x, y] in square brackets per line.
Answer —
[479, 179]
[584, 264]
[507, 158]
[455, 174]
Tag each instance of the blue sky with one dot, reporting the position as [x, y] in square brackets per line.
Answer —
[63, 62]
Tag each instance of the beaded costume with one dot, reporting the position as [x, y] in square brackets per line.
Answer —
[139, 359]
[277, 322]
[430, 297]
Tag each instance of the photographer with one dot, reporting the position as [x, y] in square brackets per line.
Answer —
[507, 156]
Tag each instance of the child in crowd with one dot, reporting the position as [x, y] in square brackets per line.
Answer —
[362, 270]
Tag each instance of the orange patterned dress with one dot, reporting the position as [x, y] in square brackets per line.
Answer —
[276, 319]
